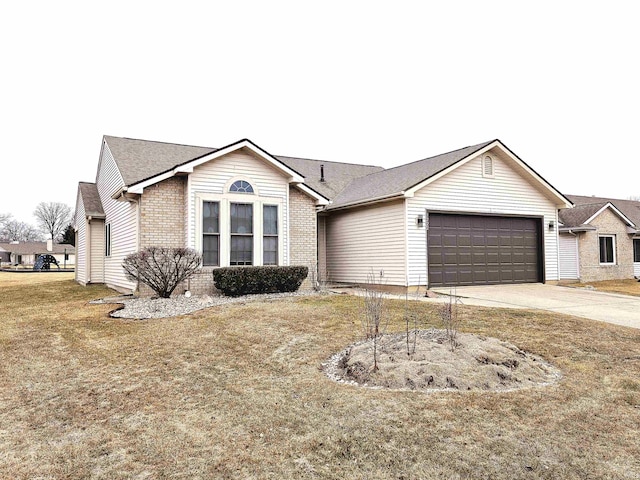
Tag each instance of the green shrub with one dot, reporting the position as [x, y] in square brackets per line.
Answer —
[236, 281]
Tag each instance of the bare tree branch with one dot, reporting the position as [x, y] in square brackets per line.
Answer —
[52, 217]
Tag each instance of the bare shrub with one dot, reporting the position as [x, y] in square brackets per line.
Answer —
[373, 321]
[411, 319]
[161, 268]
[450, 320]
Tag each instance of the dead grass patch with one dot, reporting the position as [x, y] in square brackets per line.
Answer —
[625, 287]
[237, 392]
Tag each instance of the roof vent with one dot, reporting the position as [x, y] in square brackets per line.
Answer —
[322, 173]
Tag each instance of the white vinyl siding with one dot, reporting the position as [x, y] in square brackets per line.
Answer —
[96, 255]
[123, 217]
[81, 241]
[568, 246]
[211, 181]
[365, 240]
[466, 190]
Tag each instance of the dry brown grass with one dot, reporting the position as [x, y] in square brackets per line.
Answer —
[237, 392]
[626, 287]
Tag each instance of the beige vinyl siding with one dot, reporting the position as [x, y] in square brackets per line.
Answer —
[123, 217]
[81, 241]
[323, 274]
[96, 255]
[368, 239]
[466, 190]
[636, 269]
[568, 245]
[215, 177]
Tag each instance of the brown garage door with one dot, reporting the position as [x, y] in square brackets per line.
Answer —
[483, 250]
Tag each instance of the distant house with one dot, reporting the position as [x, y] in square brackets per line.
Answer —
[25, 253]
[600, 239]
[477, 215]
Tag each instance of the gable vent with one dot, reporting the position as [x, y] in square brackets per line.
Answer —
[487, 166]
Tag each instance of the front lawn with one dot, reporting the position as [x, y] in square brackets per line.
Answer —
[625, 287]
[237, 392]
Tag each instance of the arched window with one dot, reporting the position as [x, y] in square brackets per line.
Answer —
[240, 186]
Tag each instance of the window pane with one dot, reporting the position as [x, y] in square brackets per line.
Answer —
[241, 218]
[636, 250]
[241, 186]
[270, 247]
[241, 250]
[211, 250]
[210, 217]
[270, 220]
[606, 249]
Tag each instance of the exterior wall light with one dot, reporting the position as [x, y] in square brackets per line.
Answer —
[420, 221]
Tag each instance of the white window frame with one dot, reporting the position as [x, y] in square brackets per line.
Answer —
[613, 244]
[225, 201]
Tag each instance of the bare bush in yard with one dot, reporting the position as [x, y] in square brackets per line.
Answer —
[450, 320]
[411, 319]
[161, 268]
[373, 320]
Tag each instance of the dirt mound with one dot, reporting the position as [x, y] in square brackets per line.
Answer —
[477, 363]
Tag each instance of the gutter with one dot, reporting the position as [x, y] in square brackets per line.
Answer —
[384, 198]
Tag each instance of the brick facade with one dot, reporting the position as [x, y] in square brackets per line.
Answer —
[607, 223]
[163, 223]
[303, 237]
[162, 214]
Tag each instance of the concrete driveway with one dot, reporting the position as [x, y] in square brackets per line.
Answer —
[606, 307]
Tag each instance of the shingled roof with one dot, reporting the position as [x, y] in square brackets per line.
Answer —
[337, 175]
[397, 180]
[91, 199]
[139, 160]
[345, 184]
[27, 248]
[587, 207]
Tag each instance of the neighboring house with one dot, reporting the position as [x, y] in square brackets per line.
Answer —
[478, 215]
[600, 239]
[25, 253]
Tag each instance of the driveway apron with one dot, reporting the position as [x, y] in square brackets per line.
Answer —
[606, 307]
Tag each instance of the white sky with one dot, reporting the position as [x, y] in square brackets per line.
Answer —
[380, 83]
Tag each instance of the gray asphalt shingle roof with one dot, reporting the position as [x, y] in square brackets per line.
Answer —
[345, 183]
[91, 199]
[139, 160]
[586, 207]
[27, 248]
[399, 179]
[336, 175]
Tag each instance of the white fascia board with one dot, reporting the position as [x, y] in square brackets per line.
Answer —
[615, 210]
[411, 192]
[360, 203]
[320, 200]
[293, 177]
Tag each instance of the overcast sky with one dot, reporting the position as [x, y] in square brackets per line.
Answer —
[381, 83]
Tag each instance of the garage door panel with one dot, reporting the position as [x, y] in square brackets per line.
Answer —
[476, 249]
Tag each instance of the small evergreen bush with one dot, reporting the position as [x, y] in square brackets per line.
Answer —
[236, 281]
